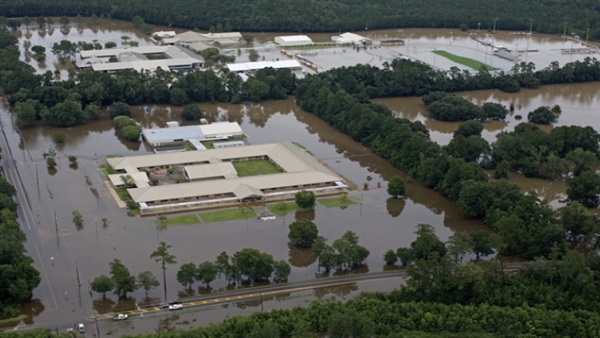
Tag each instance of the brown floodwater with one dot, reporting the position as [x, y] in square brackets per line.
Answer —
[69, 257]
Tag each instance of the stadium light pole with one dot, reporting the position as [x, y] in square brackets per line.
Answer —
[530, 26]
[495, 25]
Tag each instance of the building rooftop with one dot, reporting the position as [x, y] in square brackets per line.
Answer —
[157, 136]
[252, 66]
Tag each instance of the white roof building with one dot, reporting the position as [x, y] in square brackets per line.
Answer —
[215, 131]
[254, 66]
[350, 39]
[293, 40]
[213, 179]
[174, 58]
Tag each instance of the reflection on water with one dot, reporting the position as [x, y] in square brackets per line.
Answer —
[300, 257]
[578, 103]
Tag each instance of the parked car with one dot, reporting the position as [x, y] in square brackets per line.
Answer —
[120, 316]
[174, 307]
[80, 328]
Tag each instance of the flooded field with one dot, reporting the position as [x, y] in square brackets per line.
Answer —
[69, 257]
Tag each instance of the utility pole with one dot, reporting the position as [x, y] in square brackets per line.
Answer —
[56, 227]
[587, 36]
[495, 25]
[530, 26]
[565, 32]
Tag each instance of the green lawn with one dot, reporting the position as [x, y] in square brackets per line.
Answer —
[227, 215]
[208, 144]
[181, 220]
[336, 202]
[282, 208]
[464, 60]
[255, 167]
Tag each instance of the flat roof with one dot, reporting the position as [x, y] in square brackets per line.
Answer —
[250, 66]
[287, 155]
[117, 179]
[224, 128]
[210, 170]
[135, 58]
[300, 168]
[204, 131]
[294, 38]
[224, 186]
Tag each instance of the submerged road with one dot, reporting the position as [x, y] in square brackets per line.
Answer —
[93, 323]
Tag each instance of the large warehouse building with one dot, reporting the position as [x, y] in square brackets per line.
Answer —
[293, 40]
[211, 178]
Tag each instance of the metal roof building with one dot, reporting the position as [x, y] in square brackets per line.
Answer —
[293, 40]
[350, 39]
[175, 58]
[212, 178]
[218, 130]
[254, 66]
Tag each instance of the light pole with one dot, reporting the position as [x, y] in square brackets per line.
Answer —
[565, 31]
[530, 26]
[495, 25]
[478, 26]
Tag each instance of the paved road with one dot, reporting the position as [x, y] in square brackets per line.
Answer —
[229, 297]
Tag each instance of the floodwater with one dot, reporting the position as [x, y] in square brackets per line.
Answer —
[68, 256]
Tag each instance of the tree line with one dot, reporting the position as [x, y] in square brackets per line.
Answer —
[18, 277]
[333, 16]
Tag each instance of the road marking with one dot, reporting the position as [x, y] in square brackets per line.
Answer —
[46, 276]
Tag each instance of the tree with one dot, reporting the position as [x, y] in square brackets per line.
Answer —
[254, 264]
[305, 199]
[38, 50]
[118, 109]
[303, 233]
[482, 243]
[64, 21]
[390, 258]
[405, 255]
[396, 187]
[427, 245]
[248, 39]
[578, 222]
[124, 282]
[350, 252]
[224, 267]
[207, 272]
[161, 255]
[469, 128]
[253, 55]
[282, 270]
[131, 133]
[541, 115]
[187, 274]
[27, 112]
[147, 281]
[102, 284]
[77, 219]
[584, 189]
[191, 113]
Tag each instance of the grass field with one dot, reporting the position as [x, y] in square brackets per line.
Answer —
[181, 220]
[336, 202]
[256, 167]
[464, 60]
[227, 215]
[282, 208]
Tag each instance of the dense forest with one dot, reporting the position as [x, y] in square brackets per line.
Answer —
[326, 15]
[18, 277]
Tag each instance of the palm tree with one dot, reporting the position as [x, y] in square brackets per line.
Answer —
[161, 255]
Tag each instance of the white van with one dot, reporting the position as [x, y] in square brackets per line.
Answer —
[80, 328]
